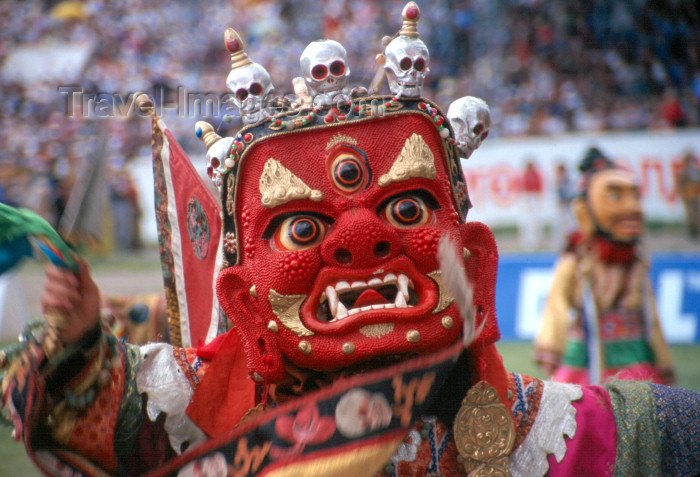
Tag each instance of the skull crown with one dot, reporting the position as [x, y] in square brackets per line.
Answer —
[407, 57]
[324, 85]
[249, 82]
[470, 118]
[406, 66]
[324, 65]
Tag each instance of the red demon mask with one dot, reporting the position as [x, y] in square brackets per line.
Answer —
[331, 232]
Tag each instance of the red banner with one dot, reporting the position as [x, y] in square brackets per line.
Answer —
[189, 233]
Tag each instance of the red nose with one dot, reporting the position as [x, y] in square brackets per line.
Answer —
[360, 239]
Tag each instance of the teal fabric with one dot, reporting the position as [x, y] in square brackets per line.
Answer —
[131, 407]
[638, 438]
[618, 354]
[575, 354]
[626, 353]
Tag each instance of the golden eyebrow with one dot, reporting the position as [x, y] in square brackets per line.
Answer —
[279, 185]
[415, 160]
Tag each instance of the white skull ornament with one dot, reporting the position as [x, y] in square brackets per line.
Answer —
[406, 66]
[250, 85]
[407, 57]
[470, 118]
[324, 65]
[249, 82]
[217, 151]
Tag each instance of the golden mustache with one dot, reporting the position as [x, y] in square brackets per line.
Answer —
[286, 309]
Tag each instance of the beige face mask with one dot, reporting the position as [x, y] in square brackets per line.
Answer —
[612, 206]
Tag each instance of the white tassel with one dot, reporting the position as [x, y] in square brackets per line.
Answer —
[454, 277]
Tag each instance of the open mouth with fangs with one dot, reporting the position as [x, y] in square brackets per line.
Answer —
[386, 291]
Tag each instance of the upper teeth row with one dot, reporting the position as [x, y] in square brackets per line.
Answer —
[339, 311]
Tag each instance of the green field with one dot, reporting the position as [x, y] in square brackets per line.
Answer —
[14, 461]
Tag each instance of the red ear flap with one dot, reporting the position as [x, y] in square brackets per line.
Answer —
[263, 354]
[481, 266]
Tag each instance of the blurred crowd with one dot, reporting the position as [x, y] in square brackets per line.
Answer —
[544, 67]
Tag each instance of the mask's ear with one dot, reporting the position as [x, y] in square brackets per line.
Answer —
[481, 264]
[263, 354]
[583, 216]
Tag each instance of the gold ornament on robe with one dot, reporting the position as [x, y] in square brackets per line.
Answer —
[484, 432]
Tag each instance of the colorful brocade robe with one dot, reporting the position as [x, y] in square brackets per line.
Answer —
[600, 320]
[137, 422]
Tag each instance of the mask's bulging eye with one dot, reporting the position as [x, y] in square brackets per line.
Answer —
[300, 232]
[407, 211]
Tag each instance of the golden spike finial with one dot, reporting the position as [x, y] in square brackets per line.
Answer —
[234, 45]
[144, 103]
[410, 16]
[205, 132]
